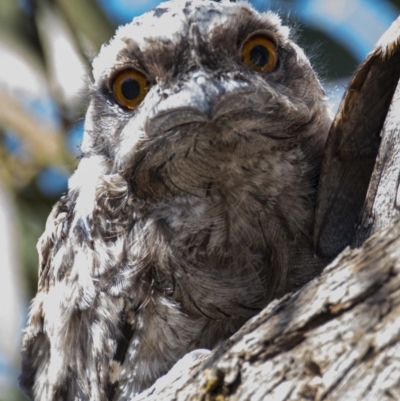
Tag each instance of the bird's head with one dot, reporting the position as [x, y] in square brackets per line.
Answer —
[198, 93]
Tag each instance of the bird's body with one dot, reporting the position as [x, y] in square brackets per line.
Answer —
[189, 211]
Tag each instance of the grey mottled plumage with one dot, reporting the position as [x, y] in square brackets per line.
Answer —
[187, 213]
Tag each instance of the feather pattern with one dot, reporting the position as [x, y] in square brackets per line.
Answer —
[186, 215]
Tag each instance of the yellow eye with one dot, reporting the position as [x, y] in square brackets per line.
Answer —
[129, 88]
[259, 53]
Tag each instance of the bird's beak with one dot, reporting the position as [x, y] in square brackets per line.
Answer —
[199, 100]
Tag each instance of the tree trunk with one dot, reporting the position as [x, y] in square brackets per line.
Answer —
[338, 338]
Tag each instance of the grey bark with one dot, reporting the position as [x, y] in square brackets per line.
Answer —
[353, 144]
[382, 204]
[338, 338]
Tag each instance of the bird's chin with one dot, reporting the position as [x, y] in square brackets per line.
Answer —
[195, 158]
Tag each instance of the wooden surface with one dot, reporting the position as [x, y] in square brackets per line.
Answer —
[382, 204]
[353, 144]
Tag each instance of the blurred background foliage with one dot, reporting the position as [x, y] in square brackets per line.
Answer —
[46, 48]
